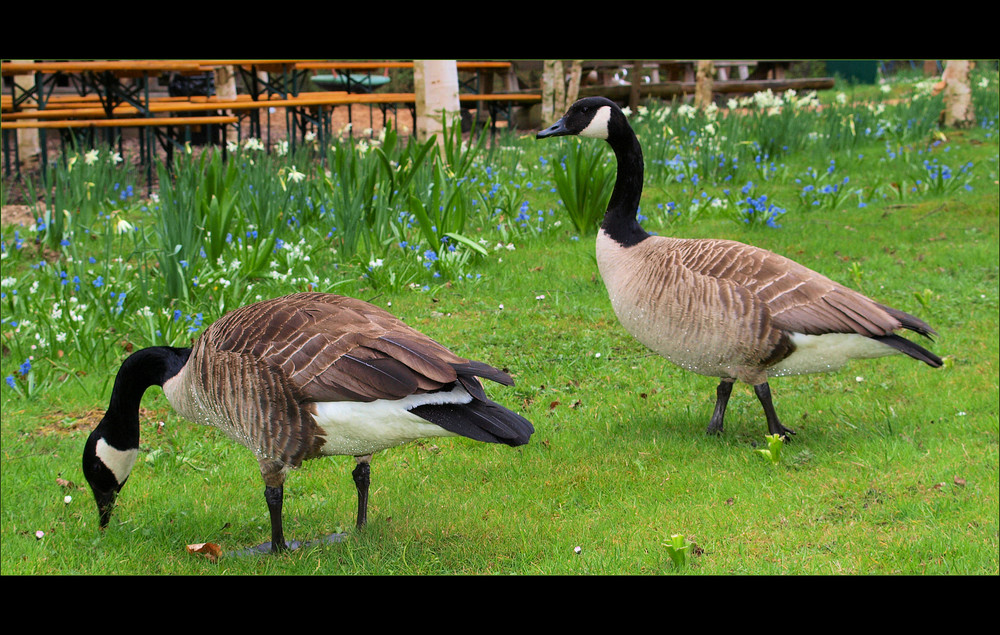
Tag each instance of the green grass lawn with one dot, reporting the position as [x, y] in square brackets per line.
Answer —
[893, 469]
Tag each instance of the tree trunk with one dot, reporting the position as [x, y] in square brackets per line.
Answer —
[225, 88]
[435, 83]
[634, 85]
[553, 91]
[573, 90]
[703, 83]
[958, 109]
[560, 88]
[28, 148]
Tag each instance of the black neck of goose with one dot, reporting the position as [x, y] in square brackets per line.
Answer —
[620, 222]
[142, 369]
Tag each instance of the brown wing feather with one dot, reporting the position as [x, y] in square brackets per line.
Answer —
[335, 348]
[797, 298]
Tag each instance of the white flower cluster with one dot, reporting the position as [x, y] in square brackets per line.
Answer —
[772, 104]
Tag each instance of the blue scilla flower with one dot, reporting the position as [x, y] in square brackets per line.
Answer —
[177, 314]
[10, 381]
[99, 282]
[25, 368]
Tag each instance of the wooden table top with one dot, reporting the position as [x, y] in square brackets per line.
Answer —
[204, 65]
[118, 66]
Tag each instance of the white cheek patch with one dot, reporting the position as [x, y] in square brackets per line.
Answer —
[598, 126]
[120, 462]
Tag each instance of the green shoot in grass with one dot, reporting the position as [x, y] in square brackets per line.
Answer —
[678, 548]
[773, 450]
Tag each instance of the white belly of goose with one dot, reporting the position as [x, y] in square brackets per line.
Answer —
[358, 428]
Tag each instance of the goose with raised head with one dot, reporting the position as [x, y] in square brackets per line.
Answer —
[302, 376]
[722, 308]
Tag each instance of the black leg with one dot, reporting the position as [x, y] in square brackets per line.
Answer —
[274, 497]
[362, 477]
[773, 424]
[721, 400]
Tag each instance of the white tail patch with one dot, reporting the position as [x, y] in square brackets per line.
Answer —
[825, 353]
[120, 462]
[357, 428]
[598, 126]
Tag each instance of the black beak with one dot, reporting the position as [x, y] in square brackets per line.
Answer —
[558, 129]
[105, 505]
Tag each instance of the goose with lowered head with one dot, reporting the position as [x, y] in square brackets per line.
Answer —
[722, 308]
[298, 377]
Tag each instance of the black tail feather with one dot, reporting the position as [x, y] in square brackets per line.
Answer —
[910, 322]
[479, 420]
[915, 351]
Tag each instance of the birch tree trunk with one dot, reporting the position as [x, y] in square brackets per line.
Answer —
[553, 91]
[435, 83]
[703, 83]
[958, 109]
[558, 92]
[28, 148]
[573, 89]
[225, 88]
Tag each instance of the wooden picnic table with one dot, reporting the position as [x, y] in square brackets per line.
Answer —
[106, 78]
[122, 67]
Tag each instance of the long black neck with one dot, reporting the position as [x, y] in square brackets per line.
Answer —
[142, 369]
[620, 222]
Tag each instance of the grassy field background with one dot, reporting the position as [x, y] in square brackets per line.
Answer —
[893, 469]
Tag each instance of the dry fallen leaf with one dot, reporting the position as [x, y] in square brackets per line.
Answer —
[210, 550]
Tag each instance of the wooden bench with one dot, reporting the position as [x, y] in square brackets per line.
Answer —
[74, 112]
[120, 122]
[163, 127]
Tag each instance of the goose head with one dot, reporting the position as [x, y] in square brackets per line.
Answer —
[107, 467]
[594, 117]
[113, 446]
[601, 118]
